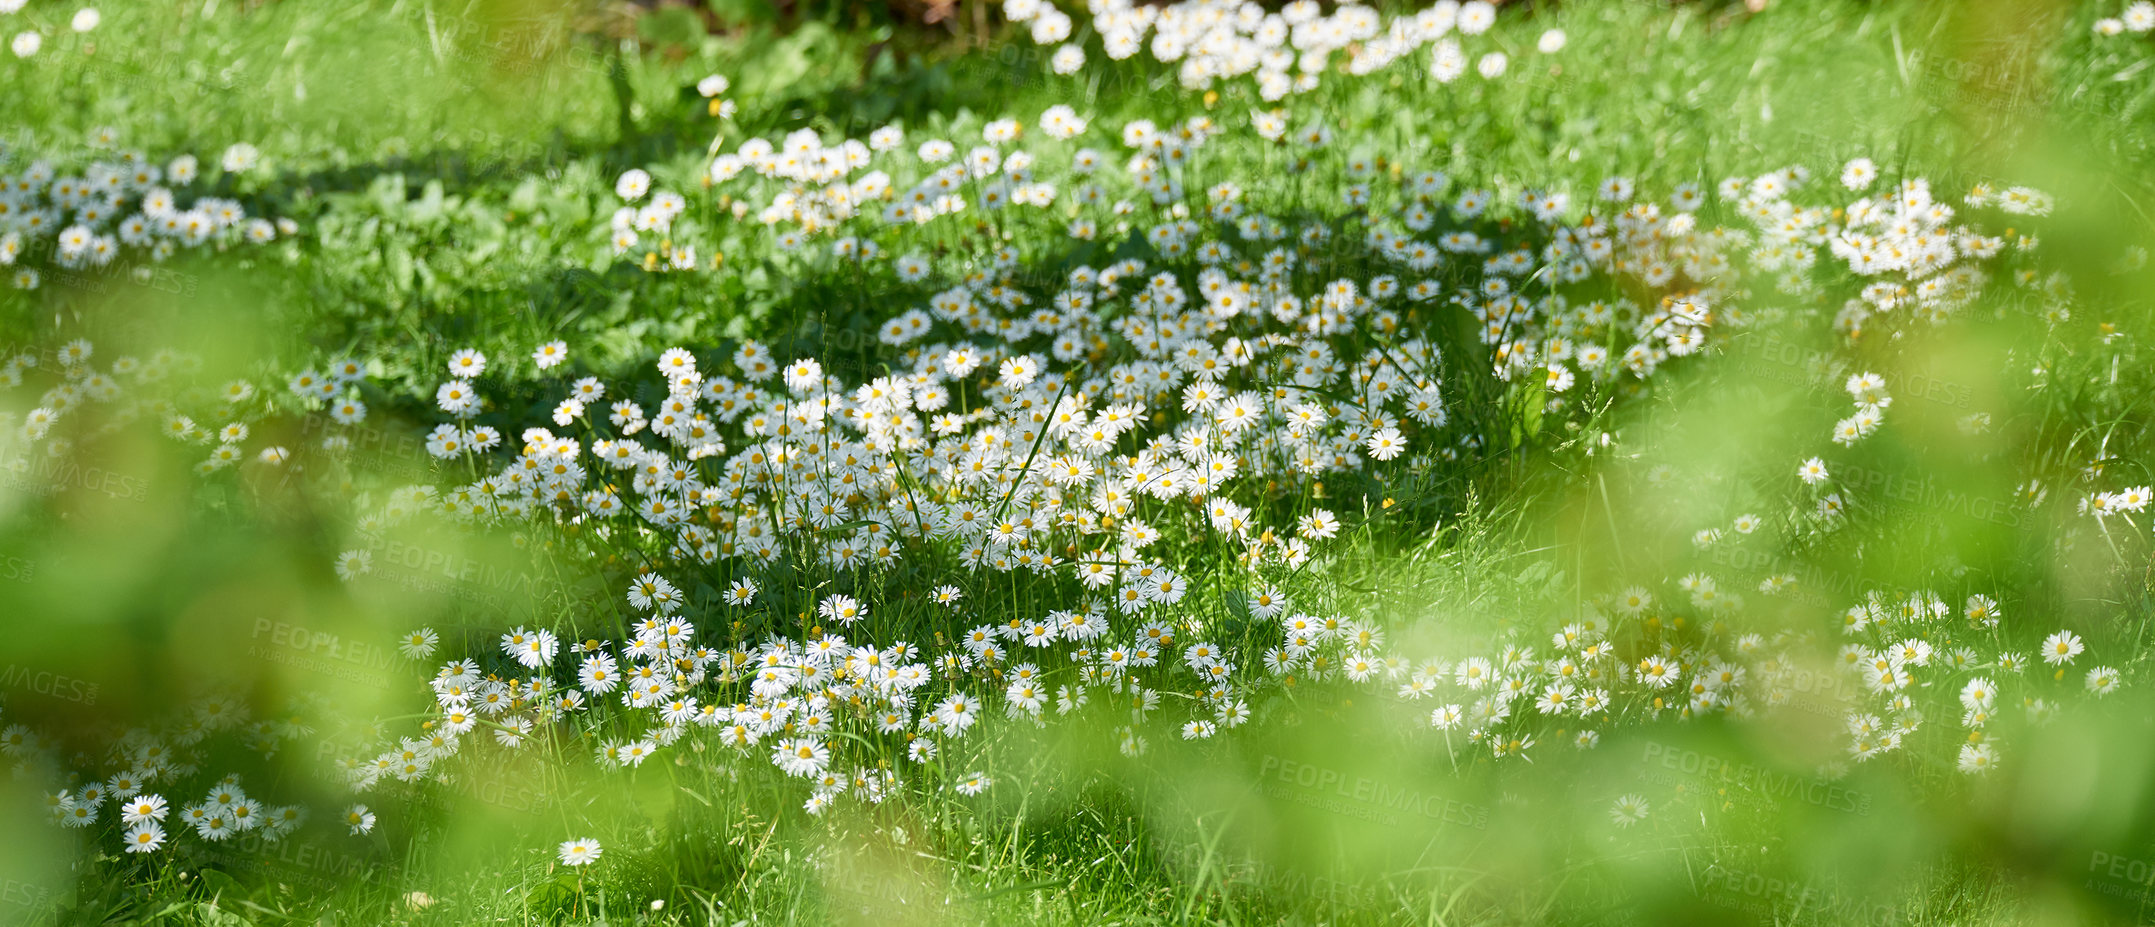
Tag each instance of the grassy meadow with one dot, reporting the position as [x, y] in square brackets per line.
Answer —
[1585, 463]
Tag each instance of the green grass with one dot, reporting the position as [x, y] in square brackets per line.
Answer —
[451, 198]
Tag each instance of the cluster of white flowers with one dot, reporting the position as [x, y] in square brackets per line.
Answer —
[2138, 17]
[2129, 500]
[1286, 51]
[29, 41]
[90, 219]
[1066, 433]
[126, 786]
[1917, 260]
[83, 401]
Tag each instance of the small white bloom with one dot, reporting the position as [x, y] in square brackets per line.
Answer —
[580, 852]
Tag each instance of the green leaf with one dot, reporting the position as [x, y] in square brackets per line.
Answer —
[400, 266]
[209, 913]
[1528, 401]
[222, 885]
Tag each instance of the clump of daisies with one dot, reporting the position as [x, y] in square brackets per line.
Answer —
[1285, 51]
[133, 796]
[120, 212]
[2138, 18]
